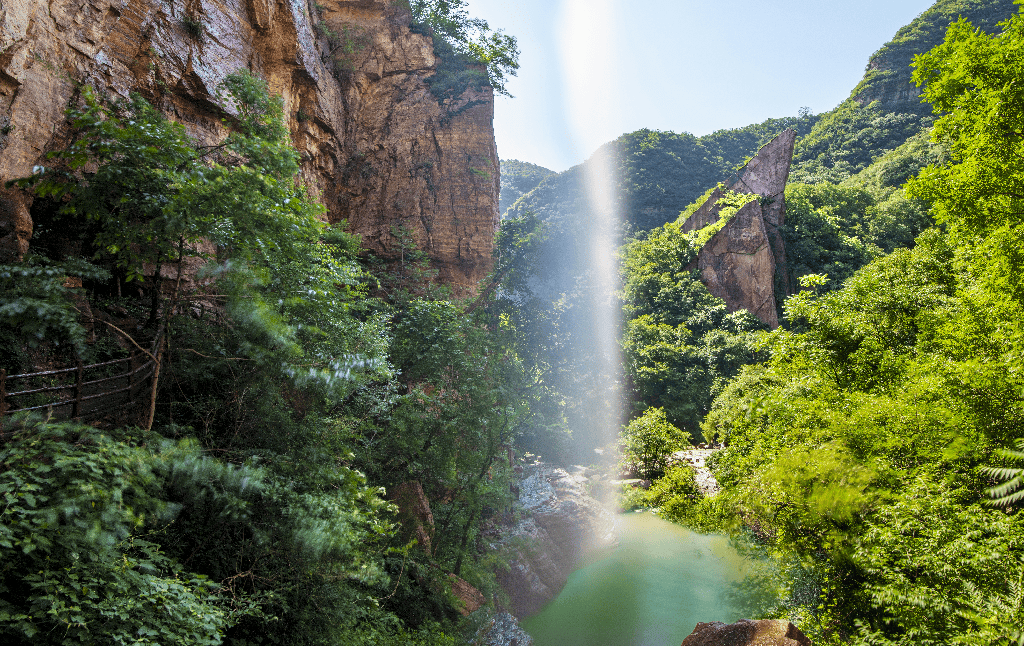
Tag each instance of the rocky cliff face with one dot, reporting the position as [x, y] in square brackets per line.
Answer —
[739, 263]
[378, 148]
[560, 523]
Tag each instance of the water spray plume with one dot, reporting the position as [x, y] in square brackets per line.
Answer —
[587, 54]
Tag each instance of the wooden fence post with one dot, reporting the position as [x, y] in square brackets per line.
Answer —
[131, 378]
[3, 391]
[76, 408]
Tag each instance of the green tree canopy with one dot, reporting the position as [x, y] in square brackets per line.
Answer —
[471, 40]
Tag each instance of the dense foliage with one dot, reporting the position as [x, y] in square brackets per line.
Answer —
[865, 451]
[471, 53]
[288, 402]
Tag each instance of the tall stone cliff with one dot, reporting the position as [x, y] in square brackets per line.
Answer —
[739, 264]
[378, 148]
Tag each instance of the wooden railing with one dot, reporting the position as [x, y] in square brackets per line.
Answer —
[79, 397]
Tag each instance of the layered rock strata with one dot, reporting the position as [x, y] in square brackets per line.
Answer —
[378, 148]
[560, 523]
[739, 264]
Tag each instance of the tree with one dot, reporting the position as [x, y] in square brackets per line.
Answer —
[825, 230]
[156, 200]
[972, 79]
[264, 344]
[466, 41]
[648, 440]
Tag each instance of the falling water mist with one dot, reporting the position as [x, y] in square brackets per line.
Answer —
[603, 271]
[587, 56]
[659, 579]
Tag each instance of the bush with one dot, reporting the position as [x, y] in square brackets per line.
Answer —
[647, 442]
[79, 564]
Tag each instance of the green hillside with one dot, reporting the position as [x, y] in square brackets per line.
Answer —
[885, 108]
[517, 179]
[845, 209]
[872, 443]
[657, 173]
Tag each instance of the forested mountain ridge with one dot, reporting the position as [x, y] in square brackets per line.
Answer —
[657, 173]
[887, 78]
[873, 443]
[517, 179]
[660, 173]
[885, 108]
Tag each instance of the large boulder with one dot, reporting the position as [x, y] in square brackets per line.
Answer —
[469, 598]
[765, 632]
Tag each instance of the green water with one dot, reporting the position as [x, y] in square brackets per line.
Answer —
[650, 590]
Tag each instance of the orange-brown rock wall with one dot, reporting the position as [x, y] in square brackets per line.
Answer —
[740, 263]
[377, 147]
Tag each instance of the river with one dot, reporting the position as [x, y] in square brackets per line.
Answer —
[649, 590]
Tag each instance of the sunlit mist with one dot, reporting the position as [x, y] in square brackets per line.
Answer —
[587, 52]
[587, 55]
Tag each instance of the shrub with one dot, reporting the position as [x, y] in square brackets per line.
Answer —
[647, 442]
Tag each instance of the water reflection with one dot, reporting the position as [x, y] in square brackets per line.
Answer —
[650, 590]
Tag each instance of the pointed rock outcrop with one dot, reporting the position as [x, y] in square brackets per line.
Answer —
[739, 263]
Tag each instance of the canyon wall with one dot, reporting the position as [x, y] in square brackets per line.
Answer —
[744, 262]
[378, 148]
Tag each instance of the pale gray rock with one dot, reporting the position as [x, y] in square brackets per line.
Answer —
[560, 523]
[501, 629]
[696, 459]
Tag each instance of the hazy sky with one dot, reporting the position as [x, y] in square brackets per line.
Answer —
[591, 70]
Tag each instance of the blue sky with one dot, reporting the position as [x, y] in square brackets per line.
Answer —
[591, 70]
